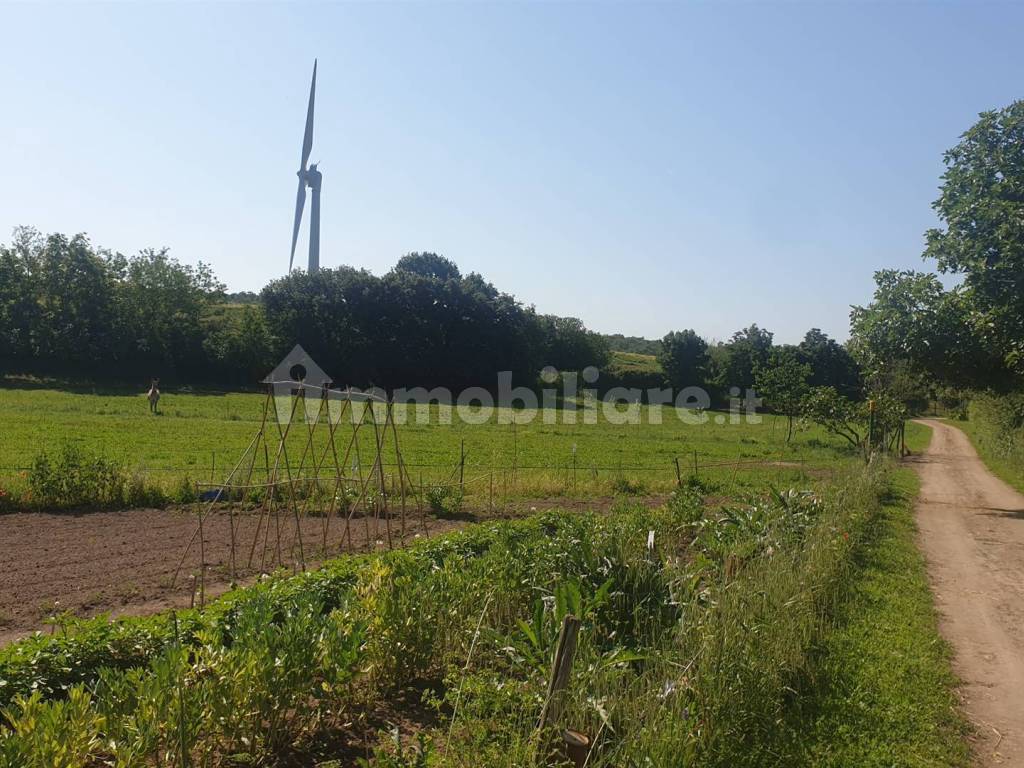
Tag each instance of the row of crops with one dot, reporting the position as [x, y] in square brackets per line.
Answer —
[696, 628]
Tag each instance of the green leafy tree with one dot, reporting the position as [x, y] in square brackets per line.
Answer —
[684, 359]
[782, 382]
[831, 363]
[913, 325]
[982, 206]
[747, 350]
[837, 414]
[162, 304]
[570, 346]
[429, 265]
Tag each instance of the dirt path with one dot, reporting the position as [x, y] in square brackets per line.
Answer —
[972, 534]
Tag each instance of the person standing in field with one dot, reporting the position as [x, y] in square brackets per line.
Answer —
[153, 395]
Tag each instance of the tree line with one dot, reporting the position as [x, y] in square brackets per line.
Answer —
[67, 308]
[70, 309]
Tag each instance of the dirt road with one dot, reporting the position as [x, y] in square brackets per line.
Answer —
[972, 534]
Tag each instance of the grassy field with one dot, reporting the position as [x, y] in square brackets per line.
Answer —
[199, 436]
[634, 362]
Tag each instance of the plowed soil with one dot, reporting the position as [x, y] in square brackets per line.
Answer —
[123, 562]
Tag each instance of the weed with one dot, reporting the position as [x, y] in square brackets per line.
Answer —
[627, 487]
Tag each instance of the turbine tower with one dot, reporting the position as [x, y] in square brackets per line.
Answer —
[310, 177]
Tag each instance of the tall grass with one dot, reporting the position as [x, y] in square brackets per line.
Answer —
[996, 428]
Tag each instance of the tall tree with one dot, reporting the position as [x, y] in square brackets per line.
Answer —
[748, 350]
[684, 358]
[914, 325]
[982, 205]
[831, 363]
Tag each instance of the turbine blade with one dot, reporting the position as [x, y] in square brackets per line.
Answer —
[307, 140]
[300, 202]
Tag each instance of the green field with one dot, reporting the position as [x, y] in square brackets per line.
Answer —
[201, 436]
[634, 362]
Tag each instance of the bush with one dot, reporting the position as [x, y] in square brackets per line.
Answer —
[70, 478]
[445, 500]
[999, 426]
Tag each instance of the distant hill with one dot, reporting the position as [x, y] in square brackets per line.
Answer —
[637, 344]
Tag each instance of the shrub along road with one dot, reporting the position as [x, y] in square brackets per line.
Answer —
[972, 534]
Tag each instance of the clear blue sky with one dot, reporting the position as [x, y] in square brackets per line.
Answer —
[645, 168]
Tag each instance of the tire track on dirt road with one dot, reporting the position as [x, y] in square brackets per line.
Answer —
[972, 534]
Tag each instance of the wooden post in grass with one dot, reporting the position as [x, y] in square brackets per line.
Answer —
[561, 668]
[462, 465]
[695, 462]
[679, 474]
[574, 467]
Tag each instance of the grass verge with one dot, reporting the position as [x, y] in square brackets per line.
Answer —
[884, 691]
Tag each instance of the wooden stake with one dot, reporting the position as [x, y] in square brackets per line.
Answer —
[462, 465]
[561, 668]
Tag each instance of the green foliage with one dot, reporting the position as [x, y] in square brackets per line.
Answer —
[837, 414]
[569, 346]
[445, 501]
[632, 344]
[749, 349]
[914, 326]
[66, 305]
[683, 357]
[44, 734]
[996, 428]
[421, 324]
[831, 363]
[72, 479]
[632, 371]
[982, 206]
[429, 265]
[398, 755]
[870, 425]
[782, 382]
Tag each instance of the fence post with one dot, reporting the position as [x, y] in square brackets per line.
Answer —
[679, 474]
[695, 462]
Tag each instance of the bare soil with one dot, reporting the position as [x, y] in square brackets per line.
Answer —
[123, 562]
[972, 534]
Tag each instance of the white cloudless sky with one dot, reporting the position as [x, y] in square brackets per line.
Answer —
[643, 167]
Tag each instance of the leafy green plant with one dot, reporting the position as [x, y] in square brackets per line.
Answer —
[445, 501]
[70, 478]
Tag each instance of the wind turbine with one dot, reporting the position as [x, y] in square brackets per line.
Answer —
[310, 177]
